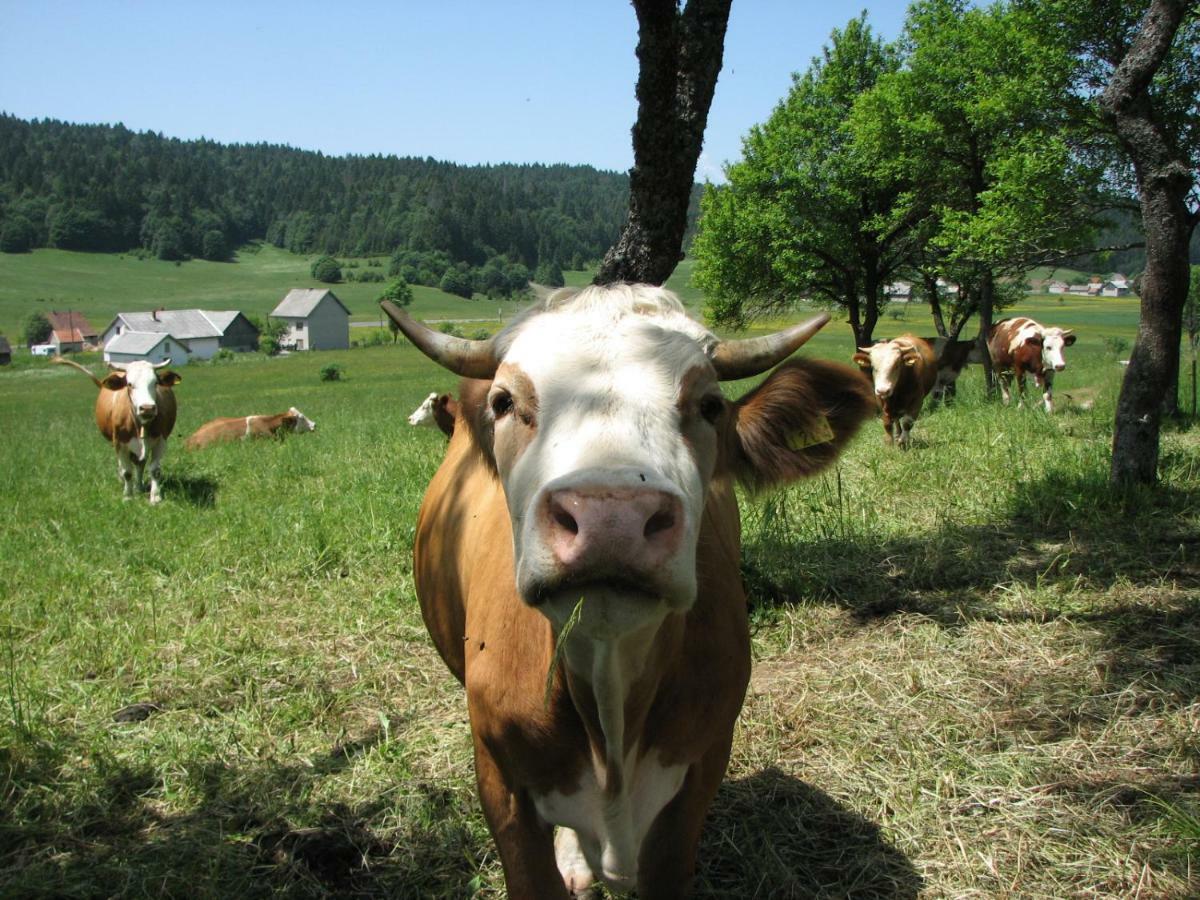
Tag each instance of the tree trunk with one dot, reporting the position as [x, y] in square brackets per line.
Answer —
[679, 57]
[986, 301]
[935, 303]
[1154, 363]
[1164, 179]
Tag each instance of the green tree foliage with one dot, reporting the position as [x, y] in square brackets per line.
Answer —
[214, 247]
[36, 329]
[17, 235]
[398, 292]
[458, 283]
[326, 270]
[549, 273]
[107, 188]
[804, 213]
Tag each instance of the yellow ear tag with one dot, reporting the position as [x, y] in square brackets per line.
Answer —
[821, 433]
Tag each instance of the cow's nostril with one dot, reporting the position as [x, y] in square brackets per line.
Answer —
[565, 520]
[658, 523]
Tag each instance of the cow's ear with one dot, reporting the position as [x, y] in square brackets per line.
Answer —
[114, 381]
[1068, 338]
[862, 359]
[797, 421]
[910, 359]
[168, 378]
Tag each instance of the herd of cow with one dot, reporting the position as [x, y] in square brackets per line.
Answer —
[907, 369]
[577, 553]
[135, 413]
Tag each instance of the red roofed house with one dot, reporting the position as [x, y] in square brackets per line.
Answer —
[71, 332]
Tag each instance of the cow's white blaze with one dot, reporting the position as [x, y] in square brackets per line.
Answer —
[303, 422]
[423, 414]
[1053, 342]
[887, 362]
[607, 380]
[142, 382]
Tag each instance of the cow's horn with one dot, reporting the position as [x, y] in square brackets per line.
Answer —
[753, 356]
[116, 367]
[161, 365]
[471, 359]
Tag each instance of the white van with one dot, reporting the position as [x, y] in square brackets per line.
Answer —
[41, 349]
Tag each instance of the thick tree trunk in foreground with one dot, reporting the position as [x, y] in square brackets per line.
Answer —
[1164, 180]
[679, 57]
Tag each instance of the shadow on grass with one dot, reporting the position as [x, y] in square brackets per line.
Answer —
[772, 836]
[200, 492]
[257, 831]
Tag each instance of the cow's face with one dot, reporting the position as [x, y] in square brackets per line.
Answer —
[1054, 340]
[423, 414]
[887, 361]
[605, 423]
[141, 379]
[302, 422]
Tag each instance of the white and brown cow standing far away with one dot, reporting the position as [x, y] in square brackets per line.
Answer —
[587, 498]
[1021, 346]
[135, 412]
[902, 370]
[436, 411]
[240, 428]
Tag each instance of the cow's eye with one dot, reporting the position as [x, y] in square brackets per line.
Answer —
[502, 404]
[711, 408]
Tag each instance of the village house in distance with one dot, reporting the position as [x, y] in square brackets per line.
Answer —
[179, 335]
[316, 320]
[72, 333]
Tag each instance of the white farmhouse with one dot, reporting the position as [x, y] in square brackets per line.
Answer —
[189, 327]
[316, 320]
[153, 347]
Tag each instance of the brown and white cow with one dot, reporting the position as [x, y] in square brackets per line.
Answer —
[135, 412]
[903, 370]
[1021, 346]
[952, 358]
[587, 498]
[239, 428]
[436, 411]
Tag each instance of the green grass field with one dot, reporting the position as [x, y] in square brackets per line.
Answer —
[975, 668]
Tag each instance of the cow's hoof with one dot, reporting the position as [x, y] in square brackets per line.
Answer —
[155, 500]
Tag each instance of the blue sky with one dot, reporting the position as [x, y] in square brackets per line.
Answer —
[469, 82]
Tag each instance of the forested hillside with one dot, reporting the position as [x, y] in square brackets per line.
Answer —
[106, 188]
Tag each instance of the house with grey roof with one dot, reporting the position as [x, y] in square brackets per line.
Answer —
[201, 332]
[316, 320]
[152, 346]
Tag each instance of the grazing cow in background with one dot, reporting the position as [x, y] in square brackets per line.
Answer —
[245, 427]
[903, 370]
[952, 358]
[1021, 346]
[577, 563]
[135, 412]
[437, 410]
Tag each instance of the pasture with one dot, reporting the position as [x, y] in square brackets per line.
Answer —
[975, 667]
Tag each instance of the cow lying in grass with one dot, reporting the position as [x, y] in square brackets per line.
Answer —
[240, 428]
[903, 370]
[135, 412]
[436, 411]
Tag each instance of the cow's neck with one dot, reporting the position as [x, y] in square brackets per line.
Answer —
[612, 684]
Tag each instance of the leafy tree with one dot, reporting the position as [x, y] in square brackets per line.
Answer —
[17, 235]
[74, 228]
[170, 240]
[214, 247]
[401, 294]
[805, 214]
[549, 274]
[326, 270]
[975, 124]
[36, 329]
[458, 283]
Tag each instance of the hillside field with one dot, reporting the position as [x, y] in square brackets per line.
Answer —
[975, 668]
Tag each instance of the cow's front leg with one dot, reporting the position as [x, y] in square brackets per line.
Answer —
[906, 424]
[888, 427]
[1020, 379]
[125, 470]
[526, 844]
[156, 451]
[1004, 380]
[1046, 382]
